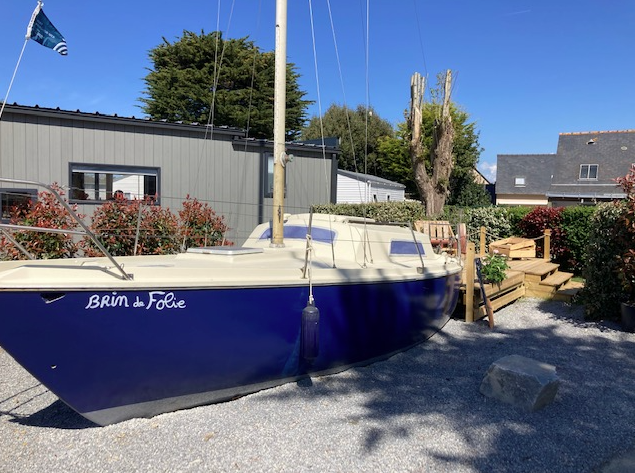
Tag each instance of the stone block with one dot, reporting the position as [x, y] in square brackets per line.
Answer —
[523, 382]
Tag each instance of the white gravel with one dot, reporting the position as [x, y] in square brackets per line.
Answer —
[419, 411]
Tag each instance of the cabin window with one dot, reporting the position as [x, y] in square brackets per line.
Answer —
[519, 181]
[269, 177]
[588, 172]
[15, 198]
[92, 183]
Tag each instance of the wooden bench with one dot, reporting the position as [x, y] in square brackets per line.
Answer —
[440, 232]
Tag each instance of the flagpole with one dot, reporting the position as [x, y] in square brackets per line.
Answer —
[13, 78]
[37, 9]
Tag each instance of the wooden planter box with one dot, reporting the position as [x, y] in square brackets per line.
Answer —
[514, 247]
[510, 289]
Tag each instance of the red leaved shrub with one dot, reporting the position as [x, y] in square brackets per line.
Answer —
[46, 212]
[121, 225]
[124, 227]
[200, 226]
[534, 224]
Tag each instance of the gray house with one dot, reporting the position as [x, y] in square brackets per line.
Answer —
[92, 156]
[587, 165]
[523, 179]
[581, 172]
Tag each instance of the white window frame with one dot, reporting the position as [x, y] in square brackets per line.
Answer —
[519, 181]
[585, 172]
[104, 184]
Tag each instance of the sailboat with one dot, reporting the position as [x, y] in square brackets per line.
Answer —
[306, 295]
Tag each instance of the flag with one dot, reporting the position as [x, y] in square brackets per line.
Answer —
[41, 29]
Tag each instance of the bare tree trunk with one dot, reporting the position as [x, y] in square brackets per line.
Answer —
[433, 183]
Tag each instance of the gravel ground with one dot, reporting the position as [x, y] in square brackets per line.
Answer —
[418, 411]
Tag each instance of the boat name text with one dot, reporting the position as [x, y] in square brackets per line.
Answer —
[157, 300]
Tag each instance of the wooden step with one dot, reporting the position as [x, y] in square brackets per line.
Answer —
[557, 279]
[542, 268]
[567, 292]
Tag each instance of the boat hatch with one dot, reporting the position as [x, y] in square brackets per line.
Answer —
[406, 248]
[299, 232]
[224, 250]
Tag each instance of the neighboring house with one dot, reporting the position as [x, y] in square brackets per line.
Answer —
[583, 171]
[523, 179]
[479, 178]
[483, 181]
[93, 155]
[588, 164]
[356, 188]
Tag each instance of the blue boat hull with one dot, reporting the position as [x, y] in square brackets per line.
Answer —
[117, 355]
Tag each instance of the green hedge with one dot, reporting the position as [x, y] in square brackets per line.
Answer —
[407, 211]
[602, 289]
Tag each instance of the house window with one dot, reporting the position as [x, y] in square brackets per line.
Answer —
[519, 181]
[269, 178]
[588, 172]
[94, 183]
[15, 198]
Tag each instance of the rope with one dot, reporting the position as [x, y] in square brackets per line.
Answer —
[309, 250]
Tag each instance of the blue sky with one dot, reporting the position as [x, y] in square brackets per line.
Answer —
[525, 70]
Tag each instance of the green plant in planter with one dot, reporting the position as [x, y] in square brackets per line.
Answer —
[493, 268]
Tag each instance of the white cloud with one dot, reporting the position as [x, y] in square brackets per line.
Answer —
[489, 171]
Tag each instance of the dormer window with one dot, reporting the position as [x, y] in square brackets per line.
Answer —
[588, 172]
[519, 181]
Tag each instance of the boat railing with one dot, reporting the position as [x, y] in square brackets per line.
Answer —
[366, 242]
[85, 230]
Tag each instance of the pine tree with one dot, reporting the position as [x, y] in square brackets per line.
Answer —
[197, 71]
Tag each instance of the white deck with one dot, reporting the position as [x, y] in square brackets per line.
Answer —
[265, 267]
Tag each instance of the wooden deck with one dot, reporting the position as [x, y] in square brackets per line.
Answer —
[528, 277]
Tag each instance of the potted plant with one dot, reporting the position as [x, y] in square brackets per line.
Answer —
[494, 268]
[626, 266]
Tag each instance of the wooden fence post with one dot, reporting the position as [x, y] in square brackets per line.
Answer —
[481, 250]
[547, 252]
[469, 282]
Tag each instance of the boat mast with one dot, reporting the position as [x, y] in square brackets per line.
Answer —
[280, 100]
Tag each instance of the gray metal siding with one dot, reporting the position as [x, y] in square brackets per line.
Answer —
[226, 173]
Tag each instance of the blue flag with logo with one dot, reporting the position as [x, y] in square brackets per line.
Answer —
[42, 30]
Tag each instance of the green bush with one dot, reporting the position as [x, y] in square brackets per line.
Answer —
[407, 211]
[602, 290]
[494, 219]
[515, 216]
[577, 226]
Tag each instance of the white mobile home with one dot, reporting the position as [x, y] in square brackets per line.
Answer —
[357, 188]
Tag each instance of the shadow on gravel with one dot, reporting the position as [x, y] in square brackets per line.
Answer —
[430, 394]
[58, 416]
